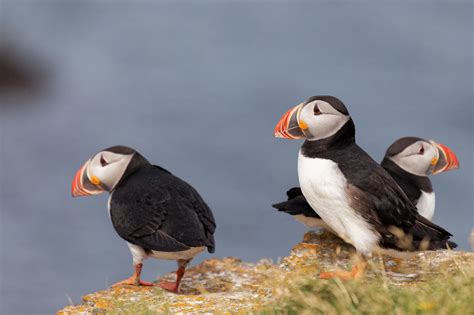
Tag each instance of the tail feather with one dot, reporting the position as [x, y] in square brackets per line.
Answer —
[296, 204]
[424, 235]
[294, 192]
[286, 206]
[424, 228]
[430, 236]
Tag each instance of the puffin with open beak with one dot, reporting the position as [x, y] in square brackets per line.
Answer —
[352, 193]
[155, 212]
[409, 160]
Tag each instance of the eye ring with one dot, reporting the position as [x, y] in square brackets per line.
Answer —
[103, 162]
[316, 110]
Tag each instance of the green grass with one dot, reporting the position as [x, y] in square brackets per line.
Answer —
[449, 294]
[447, 289]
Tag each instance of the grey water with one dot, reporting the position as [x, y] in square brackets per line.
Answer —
[198, 88]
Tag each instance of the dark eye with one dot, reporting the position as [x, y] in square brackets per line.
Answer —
[316, 110]
[103, 162]
[422, 150]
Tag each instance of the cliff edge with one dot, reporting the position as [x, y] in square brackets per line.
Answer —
[229, 285]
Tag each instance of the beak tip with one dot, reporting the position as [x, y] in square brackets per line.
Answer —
[75, 193]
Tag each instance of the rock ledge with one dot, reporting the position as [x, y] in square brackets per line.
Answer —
[230, 285]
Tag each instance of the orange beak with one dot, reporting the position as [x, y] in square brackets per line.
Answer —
[82, 186]
[447, 159]
[288, 126]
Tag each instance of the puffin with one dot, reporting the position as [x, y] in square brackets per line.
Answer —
[158, 214]
[355, 196]
[409, 160]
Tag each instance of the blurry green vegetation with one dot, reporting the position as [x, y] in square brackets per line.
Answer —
[447, 294]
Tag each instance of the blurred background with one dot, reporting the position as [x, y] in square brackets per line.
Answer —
[197, 88]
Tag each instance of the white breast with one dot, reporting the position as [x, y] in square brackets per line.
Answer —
[426, 204]
[324, 187]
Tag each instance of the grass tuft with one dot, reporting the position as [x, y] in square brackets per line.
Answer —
[445, 294]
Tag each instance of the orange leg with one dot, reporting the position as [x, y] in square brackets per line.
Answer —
[357, 271]
[134, 279]
[173, 286]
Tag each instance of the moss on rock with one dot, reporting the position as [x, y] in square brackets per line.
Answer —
[230, 286]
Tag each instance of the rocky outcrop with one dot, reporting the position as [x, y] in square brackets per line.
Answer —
[230, 285]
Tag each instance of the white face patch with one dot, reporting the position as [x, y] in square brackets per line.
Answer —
[108, 167]
[417, 158]
[322, 125]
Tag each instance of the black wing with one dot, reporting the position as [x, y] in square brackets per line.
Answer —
[376, 195]
[382, 202]
[411, 184]
[296, 204]
[156, 210]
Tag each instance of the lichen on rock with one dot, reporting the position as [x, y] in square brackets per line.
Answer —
[229, 285]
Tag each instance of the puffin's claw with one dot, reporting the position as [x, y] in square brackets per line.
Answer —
[133, 281]
[169, 286]
[356, 273]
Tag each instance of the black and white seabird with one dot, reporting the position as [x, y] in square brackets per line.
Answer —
[351, 192]
[409, 160]
[157, 213]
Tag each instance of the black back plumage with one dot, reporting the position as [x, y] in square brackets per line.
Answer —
[158, 211]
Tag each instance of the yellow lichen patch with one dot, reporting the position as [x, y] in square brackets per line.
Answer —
[69, 310]
[427, 306]
[231, 286]
[103, 304]
[312, 249]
